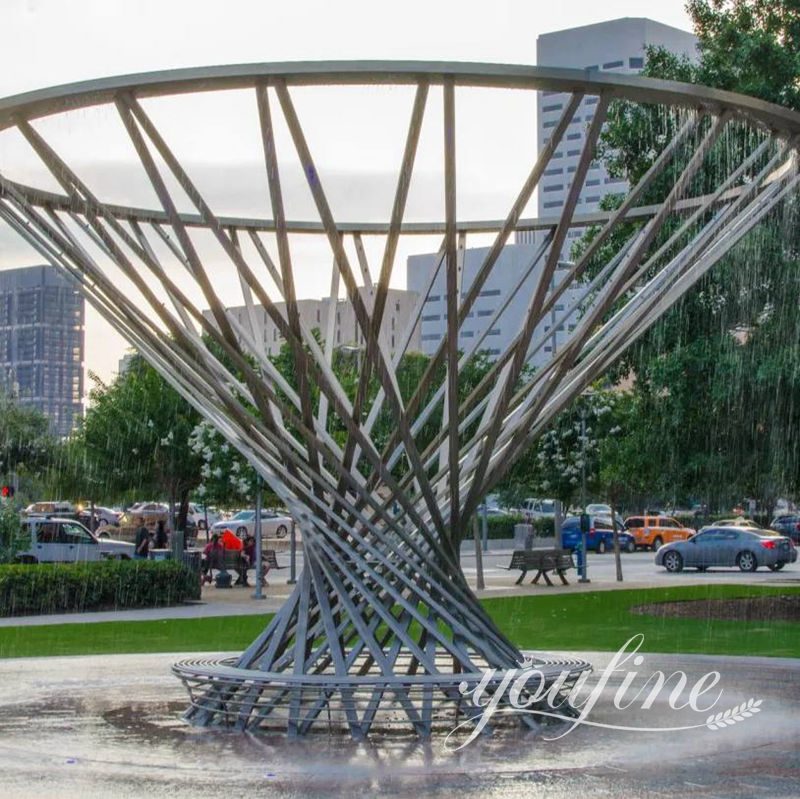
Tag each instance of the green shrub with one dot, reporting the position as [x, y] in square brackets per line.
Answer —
[503, 526]
[105, 585]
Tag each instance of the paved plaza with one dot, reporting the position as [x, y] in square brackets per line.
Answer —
[110, 726]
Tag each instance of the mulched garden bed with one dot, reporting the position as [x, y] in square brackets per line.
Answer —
[753, 608]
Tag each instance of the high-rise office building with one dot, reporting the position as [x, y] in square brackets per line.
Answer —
[495, 320]
[347, 334]
[615, 46]
[42, 318]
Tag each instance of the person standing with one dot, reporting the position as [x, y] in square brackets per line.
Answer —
[161, 535]
[142, 549]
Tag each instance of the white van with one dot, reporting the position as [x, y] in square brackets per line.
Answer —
[539, 508]
[68, 541]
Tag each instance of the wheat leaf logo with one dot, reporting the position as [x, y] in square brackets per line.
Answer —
[727, 718]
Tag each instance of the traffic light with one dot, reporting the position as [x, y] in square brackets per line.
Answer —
[6, 492]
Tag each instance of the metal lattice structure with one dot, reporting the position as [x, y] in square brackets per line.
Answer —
[382, 627]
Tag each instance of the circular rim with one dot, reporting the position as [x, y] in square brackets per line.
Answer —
[780, 122]
[44, 102]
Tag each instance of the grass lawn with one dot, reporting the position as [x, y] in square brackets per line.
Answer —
[598, 620]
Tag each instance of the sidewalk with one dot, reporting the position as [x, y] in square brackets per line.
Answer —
[639, 570]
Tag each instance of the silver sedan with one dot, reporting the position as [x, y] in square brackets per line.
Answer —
[728, 546]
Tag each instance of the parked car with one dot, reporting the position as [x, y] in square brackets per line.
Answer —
[42, 510]
[148, 509]
[788, 525]
[739, 521]
[273, 524]
[136, 517]
[728, 546]
[199, 513]
[598, 509]
[103, 517]
[492, 510]
[600, 537]
[55, 540]
[653, 531]
[539, 508]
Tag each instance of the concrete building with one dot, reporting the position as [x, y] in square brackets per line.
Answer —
[615, 46]
[512, 264]
[42, 326]
[399, 309]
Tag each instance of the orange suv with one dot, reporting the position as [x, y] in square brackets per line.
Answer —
[653, 531]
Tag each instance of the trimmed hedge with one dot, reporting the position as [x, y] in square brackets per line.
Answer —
[105, 585]
[503, 526]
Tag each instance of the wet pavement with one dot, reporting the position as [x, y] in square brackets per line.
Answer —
[111, 726]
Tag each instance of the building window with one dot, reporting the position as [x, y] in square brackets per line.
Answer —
[392, 341]
[573, 136]
[595, 199]
[433, 298]
[485, 313]
[495, 331]
[397, 307]
[548, 349]
[557, 171]
[317, 314]
[549, 124]
[556, 107]
[574, 152]
[636, 63]
[559, 308]
[592, 68]
[431, 318]
[490, 293]
[557, 155]
[467, 333]
[613, 64]
[433, 337]
[590, 101]
[593, 182]
[554, 205]
[554, 187]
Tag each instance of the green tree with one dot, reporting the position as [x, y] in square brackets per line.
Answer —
[719, 375]
[26, 446]
[135, 438]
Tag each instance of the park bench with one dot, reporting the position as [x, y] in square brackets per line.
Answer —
[231, 560]
[543, 561]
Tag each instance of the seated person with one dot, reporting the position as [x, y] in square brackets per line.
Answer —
[248, 561]
[213, 556]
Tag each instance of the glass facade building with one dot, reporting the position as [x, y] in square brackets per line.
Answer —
[42, 326]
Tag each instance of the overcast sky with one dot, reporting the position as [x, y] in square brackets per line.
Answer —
[48, 42]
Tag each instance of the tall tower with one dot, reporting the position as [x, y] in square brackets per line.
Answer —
[42, 318]
[615, 46]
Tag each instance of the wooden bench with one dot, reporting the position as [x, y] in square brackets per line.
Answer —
[543, 561]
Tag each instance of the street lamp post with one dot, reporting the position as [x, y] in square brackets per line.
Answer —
[584, 560]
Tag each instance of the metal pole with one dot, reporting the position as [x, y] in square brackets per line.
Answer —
[485, 527]
[478, 554]
[292, 556]
[259, 594]
[583, 577]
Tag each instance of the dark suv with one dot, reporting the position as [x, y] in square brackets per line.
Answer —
[788, 525]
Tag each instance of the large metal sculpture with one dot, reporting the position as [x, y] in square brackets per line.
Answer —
[382, 627]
